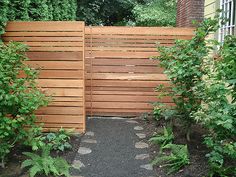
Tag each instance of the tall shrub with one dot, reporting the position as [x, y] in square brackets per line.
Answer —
[19, 98]
[183, 66]
[217, 112]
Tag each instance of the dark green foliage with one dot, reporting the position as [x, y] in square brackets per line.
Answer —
[18, 10]
[178, 158]
[163, 139]
[100, 12]
[3, 17]
[19, 97]
[44, 164]
[155, 13]
[38, 10]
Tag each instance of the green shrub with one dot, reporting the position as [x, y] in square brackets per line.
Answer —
[19, 97]
[183, 66]
[44, 164]
[217, 111]
[3, 11]
[163, 139]
[178, 158]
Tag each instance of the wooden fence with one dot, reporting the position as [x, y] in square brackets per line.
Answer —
[120, 77]
[58, 48]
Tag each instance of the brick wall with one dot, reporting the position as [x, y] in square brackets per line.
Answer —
[189, 10]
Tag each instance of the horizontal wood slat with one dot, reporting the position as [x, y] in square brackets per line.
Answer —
[57, 49]
[121, 77]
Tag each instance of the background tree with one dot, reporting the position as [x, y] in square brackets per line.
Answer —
[155, 13]
[38, 10]
[100, 12]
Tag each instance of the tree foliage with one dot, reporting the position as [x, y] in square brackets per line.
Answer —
[127, 12]
[100, 12]
[155, 13]
[35, 10]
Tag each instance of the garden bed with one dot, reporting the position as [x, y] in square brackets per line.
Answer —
[15, 159]
[198, 162]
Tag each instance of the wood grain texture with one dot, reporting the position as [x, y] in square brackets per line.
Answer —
[120, 75]
[57, 49]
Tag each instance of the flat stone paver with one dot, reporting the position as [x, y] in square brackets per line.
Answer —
[114, 154]
[142, 156]
[141, 145]
[141, 135]
[84, 150]
[91, 141]
[138, 128]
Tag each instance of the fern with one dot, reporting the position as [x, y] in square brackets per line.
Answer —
[163, 139]
[45, 164]
[178, 158]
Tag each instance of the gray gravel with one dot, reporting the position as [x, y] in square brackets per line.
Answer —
[113, 154]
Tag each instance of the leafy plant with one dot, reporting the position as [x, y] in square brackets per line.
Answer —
[178, 158]
[155, 13]
[44, 164]
[59, 140]
[163, 139]
[19, 97]
[217, 111]
[183, 66]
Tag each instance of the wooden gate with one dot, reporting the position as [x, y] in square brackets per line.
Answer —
[120, 77]
[58, 48]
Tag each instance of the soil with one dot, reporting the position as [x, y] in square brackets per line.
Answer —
[198, 166]
[15, 159]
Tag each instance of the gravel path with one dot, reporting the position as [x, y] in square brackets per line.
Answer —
[113, 147]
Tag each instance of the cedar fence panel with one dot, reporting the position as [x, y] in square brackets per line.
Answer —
[120, 77]
[58, 49]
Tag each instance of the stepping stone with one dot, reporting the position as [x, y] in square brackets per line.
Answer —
[138, 128]
[117, 118]
[141, 135]
[142, 156]
[147, 167]
[90, 141]
[141, 145]
[84, 150]
[77, 164]
[132, 121]
[89, 133]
